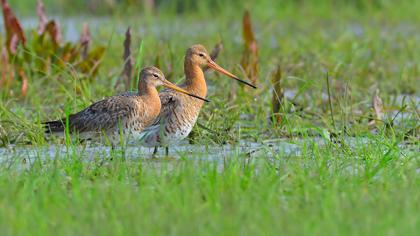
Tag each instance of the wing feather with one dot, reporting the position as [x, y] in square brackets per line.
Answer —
[105, 114]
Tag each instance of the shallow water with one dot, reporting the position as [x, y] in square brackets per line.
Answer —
[274, 148]
[22, 158]
[272, 151]
[184, 150]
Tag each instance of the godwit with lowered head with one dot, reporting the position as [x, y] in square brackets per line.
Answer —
[129, 114]
[179, 113]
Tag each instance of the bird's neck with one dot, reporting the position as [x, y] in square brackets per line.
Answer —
[150, 94]
[194, 79]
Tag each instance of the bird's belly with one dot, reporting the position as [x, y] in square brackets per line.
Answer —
[174, 127]
[178, 133]
[165, 133]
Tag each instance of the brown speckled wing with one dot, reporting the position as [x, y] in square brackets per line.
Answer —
[106, 114]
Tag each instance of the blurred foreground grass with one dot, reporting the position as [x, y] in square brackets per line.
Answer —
[371, 189]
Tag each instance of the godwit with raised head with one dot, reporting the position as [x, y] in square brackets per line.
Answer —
[128, 113]
[179, 113]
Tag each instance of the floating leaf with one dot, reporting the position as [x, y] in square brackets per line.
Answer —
[249, 60]
[14, 32]
[277, 96]
[85, 40]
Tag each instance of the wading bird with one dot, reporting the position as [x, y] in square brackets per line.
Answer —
[128, 114]
[179, 113]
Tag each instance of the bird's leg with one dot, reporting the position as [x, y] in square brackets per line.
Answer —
[167, 151]
[155, 150]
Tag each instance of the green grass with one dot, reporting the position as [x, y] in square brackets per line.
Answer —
[364, 182]
[371, 190]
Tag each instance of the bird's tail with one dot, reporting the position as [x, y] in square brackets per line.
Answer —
[54, 126]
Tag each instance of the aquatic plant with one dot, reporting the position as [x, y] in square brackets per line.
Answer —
[43, 51]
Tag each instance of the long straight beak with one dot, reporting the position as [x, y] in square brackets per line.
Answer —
[178, 89]
[216, 67]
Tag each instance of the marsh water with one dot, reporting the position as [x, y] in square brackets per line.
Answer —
[23, 157]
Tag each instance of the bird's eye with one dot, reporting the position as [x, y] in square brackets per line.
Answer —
[201, 54]
[156, 75]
